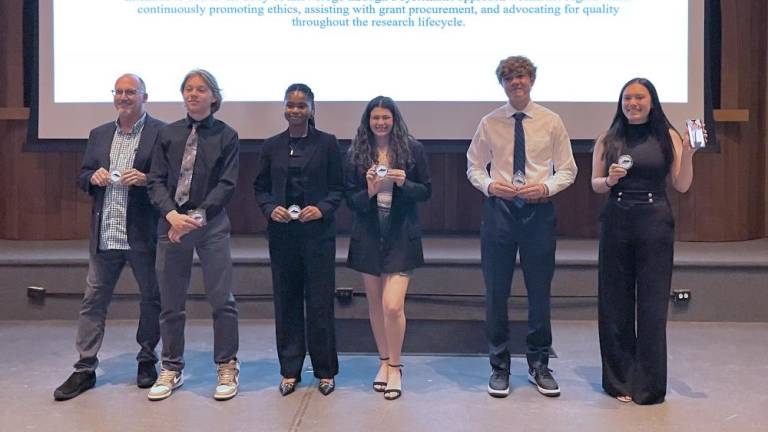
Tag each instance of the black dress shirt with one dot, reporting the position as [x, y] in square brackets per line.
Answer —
[215, 172]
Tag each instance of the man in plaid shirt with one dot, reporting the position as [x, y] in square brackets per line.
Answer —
[123, 230]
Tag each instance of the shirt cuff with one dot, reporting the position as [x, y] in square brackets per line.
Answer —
[551, 186]
[486, 184]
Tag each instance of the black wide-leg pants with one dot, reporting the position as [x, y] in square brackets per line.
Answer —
[303, 273]
[635, 274]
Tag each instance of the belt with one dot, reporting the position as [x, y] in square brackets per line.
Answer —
[638, 196]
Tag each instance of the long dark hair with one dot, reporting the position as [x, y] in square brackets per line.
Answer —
[363, 151]
[303, 88]
[614, 140]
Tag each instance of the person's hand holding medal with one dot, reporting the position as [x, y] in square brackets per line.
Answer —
[618, 170]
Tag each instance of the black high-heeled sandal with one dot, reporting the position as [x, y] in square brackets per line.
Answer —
[327, 386]
[287, 388]
[380, 386]
[393, 393]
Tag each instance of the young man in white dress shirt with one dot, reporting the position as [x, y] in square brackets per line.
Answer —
[530, 159]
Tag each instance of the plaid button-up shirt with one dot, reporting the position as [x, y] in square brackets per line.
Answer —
[113, 215]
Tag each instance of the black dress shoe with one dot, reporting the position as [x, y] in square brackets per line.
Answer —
[327, 386]
[77, 383]
[146, 375]
[287, 388]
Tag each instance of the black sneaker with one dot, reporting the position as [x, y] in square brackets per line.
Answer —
[146, 374]
[498, 384]
[541, 376]
[77, 383]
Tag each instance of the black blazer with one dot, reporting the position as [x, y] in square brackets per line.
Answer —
[323, 170]
[141, 216]
[404, 242]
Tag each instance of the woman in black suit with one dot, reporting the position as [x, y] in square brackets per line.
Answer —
[299, 187]
[386, 174]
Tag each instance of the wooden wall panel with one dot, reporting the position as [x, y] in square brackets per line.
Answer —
[726, 202]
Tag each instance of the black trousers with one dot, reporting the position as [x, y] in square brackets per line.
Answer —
[303, 273]
[635, 274]
[507, 228]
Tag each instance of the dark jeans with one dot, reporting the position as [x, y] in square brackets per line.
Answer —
[174, 268]
[303, 274]
[507, 228]
[104, 270]
[635, 273]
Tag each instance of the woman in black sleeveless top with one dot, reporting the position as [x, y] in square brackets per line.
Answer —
[636, 241]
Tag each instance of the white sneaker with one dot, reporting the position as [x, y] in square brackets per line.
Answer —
[228, 380]
[166, 383]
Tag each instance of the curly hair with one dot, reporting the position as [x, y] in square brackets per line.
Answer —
[363, 152]
[515, 64]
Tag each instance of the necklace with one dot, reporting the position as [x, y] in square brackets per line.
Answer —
[291, 142]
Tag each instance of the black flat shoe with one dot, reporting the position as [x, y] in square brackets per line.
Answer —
[327, 386]
[287, 388]
[394, 393]
[146, 375]
[77, 383]
[380, 386]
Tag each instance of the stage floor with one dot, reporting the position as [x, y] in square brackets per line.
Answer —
[717, 381]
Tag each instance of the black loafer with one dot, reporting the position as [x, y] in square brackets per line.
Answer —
[327, 386]
[146, 375]
[77, 383]
[287, 388]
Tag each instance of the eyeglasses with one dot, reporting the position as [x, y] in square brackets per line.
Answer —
[127, 92]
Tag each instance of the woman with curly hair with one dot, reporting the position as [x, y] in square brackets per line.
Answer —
[386, 175]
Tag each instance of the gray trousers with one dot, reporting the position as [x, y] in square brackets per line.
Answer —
[174, 268]
[104, 270]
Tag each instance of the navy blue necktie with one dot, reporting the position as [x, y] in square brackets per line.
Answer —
[518, 163]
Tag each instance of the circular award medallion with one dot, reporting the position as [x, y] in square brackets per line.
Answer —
[198, 215]
[625, 161]
[518, 179]
[381, 170]
[294, 211]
